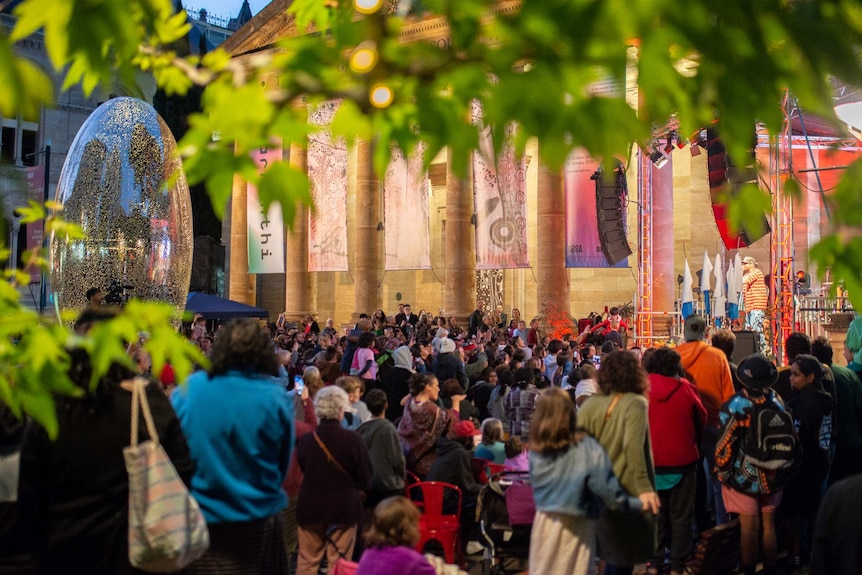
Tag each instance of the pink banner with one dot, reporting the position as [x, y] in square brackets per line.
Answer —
[583, 247]
[405, 213]
[35, 230]
[664, 285]
[327, 171]
[500, 200]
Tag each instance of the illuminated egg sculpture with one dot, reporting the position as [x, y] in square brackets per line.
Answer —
[123, 184]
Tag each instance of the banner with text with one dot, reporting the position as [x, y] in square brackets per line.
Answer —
[583, 246]
[265, 228]
[35, 230]
[327, 173]
[500, 200]
[405, 213]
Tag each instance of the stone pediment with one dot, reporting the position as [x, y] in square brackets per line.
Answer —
[263, 30]
[274, 23]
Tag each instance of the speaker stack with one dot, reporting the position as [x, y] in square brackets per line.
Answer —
[611, 194]
[725, 177]
[747, 343]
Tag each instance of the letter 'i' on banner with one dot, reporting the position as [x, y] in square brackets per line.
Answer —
[265, 228]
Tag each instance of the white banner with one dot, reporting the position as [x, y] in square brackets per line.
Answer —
[327, 172]
[265, 229]
[500, 200]
[405, 213]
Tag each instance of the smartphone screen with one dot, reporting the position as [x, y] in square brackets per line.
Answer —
[298, 384]
[597, 360]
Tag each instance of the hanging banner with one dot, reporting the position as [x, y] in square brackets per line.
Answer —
[265, 228]
[500, 200]
[405, 213]
[583, 247]
[35, 193]
[327, 172]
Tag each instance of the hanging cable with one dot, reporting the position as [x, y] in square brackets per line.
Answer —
[813, 161]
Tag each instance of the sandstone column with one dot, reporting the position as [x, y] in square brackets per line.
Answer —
[366, 253]
[242, 287]
[297, 290]
[459, 247]
[552, 278]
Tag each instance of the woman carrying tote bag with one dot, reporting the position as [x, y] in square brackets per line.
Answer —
[79, 481]
[617, 418]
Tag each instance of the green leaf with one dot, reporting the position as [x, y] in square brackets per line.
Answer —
[40, 406]
[286, 185]
[23, 85]
[747, 208]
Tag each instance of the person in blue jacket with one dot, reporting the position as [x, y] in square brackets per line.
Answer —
[568, 471]
[239, 423]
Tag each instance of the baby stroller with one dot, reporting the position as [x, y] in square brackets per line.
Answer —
[506, 520]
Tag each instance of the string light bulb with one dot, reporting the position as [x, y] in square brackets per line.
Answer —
[381, 96]
[364, 57]
[367, 6]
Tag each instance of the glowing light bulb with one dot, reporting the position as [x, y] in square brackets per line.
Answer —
[367, 6]
[364, 58]
[381, 96]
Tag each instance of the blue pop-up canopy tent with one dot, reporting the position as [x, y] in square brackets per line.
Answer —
[214, 307]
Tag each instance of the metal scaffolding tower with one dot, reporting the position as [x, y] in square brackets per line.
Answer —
[645, 267]
[782, 279]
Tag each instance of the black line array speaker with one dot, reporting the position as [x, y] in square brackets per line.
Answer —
[747, 343]
[611, 193]
[726, 178]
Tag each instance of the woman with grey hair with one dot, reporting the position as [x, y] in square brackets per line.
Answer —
[336, 468]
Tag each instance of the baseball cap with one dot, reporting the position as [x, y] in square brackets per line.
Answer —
[695, 327]
[749, 260]
[466, 429]
[757, 372]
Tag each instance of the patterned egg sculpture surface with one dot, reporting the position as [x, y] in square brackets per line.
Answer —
[123, 183]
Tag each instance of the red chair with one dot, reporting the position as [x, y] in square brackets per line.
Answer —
[478, 466]
[410, 478]
[492, 469]
[344, 567]
[433, 524]
[484, 469]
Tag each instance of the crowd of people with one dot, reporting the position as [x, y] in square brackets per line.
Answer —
[298, 443]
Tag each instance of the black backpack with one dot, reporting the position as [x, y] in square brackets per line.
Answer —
[770, 441]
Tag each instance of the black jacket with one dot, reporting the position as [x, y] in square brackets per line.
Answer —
[474, 322]
[839, 530]
[453, 466]
[79, 481]
[395, 383]
[812, 411]
[447, 366]
[387, 457]
[329, 495]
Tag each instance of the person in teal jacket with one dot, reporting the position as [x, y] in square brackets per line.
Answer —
[239, 423]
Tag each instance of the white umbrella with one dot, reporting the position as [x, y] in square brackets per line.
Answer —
[687, 293]
[704, 283]
[720, 300]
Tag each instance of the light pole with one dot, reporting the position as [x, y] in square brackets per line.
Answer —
[44, 276]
